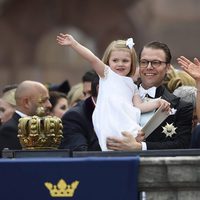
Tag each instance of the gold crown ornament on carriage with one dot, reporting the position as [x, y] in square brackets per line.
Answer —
[40, 131]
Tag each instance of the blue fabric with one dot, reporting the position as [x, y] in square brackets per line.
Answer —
[99, 178]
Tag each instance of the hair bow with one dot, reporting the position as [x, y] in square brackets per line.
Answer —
[130, 43]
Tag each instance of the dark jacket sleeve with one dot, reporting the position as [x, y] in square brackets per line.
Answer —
[8, 138]
[78, 131]
[74, 132]
[195, 142]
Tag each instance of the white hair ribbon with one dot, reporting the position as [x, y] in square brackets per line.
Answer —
[130, 43]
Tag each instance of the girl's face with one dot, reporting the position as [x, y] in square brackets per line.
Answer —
[60, 108]
[120, 62]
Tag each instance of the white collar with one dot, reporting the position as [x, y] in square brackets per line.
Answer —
[20, 113]
[93, 101]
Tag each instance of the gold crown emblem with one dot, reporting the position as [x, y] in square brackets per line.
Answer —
[62, 189]
[40, 132]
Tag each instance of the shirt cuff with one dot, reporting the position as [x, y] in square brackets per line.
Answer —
[144, 146]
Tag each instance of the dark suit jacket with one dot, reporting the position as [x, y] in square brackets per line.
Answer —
[8, 134]
[182, 121]
[78, 129]
[195, 142]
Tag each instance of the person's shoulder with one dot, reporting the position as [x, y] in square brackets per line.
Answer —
[8, 123]
[78, 108]
[8, 127]
[170, 97]
[176, 102]
[168, 94]
[12, 121]
[183, 103]
[84, 108]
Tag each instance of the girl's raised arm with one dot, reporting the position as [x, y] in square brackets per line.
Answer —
[96, 63]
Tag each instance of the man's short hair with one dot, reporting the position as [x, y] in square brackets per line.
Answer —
[89, 76]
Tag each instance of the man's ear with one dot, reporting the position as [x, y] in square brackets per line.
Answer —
[168, 67]
[26, 102]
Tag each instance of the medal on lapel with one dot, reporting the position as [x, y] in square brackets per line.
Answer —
[169, 130]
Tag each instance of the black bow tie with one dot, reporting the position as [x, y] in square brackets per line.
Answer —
[148, 96]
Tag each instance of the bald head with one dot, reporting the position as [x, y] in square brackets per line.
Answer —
[28, 95]
[28, 88]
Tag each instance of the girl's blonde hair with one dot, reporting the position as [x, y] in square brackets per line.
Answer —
[121, 45]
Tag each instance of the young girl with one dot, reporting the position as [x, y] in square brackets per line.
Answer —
[118, 104]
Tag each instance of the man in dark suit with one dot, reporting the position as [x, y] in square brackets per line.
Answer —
[78, 129]
[87, 79]
[175, 131]
[27, 95]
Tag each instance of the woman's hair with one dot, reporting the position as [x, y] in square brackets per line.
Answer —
[121, 45]
[9, 96]
[176, 78]
[54, 96]
[75, 94]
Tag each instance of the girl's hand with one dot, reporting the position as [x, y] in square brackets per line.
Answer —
[164, 104]
[65, 39]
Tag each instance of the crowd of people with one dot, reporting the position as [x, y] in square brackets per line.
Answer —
[108, 108]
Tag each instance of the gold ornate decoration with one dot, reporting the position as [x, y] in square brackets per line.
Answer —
[40, 132]
[62, 189]
[169, 130]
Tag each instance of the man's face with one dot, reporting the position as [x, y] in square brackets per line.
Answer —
[40, 98]
[86, 89]
[151, 75]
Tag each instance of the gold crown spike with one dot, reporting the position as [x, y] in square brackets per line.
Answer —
[40, 132]
[62, 189]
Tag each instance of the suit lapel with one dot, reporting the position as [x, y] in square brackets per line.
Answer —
[161, 91]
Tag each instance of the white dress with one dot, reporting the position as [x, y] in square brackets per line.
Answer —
[114, 111]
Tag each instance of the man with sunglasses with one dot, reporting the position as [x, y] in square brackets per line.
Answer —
[175, 131]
